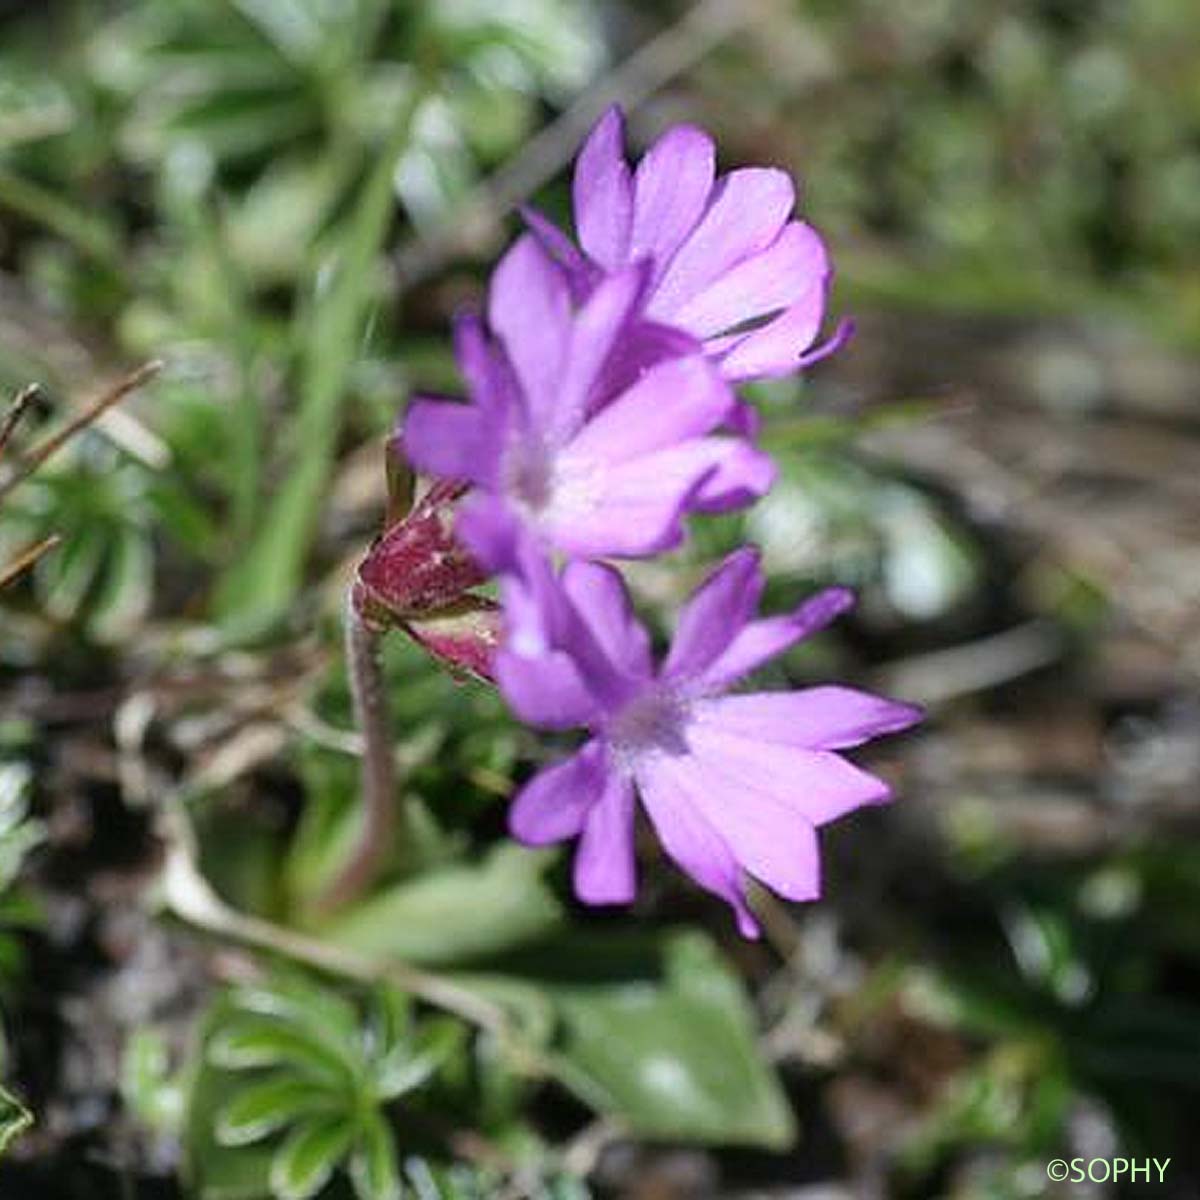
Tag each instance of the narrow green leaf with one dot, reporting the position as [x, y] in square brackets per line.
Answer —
[248, 1044]
[392, 1019]
[305, 1162]
[263, 584]
[15, 1118]
[262, 1109]
[86, 231]
[128, 586]
[373, 1169]
[65, 577]
[329, 1017]
[407, 1067]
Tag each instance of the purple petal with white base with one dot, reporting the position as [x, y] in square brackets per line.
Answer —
[589, 478]
[734, 786]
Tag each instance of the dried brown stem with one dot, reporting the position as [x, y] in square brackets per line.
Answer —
[21, 402]
[26, 559]
[85, 417]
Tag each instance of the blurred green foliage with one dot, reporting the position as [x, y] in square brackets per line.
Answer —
[212, 184]
[998, 155]
[19, 835]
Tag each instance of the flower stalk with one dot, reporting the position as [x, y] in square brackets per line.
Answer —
[376, 833]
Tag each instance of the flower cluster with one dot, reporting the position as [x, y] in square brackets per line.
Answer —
[600, 414]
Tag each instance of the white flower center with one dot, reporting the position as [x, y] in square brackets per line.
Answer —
[551, 486]
[530, 477]
[652, 723]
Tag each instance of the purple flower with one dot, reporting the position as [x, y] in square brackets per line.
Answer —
[734, 785]
[726, 264]
[589, 473]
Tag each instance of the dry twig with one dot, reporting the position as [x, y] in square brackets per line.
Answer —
[20, 405]
[82, 419]
[26, 559]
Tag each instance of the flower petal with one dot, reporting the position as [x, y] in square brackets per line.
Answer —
[529, 309]
[489, 380]
[643, 345]
[548, 690]
[559, 247]
[781, 347]
[553, 805]
[634, 509]
[746, 213]
[816, 786]
[602, 194]
[605, 871]
[760, 641]
[794, 266]
[535, 616]
[541, 625]
[602, 600]
[594, 334]
[817, 718]
[741, 473]
[769, 838]
[453, 440]
[691, 841]
[714, 614]
[670, 190]
[671, 402]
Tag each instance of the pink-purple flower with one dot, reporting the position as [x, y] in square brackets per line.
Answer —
[589, 473]
[599, 415]
[727, 263]
[735, 786]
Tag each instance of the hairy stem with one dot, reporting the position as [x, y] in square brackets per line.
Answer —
[377, 826]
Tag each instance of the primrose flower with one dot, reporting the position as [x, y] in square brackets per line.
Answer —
[734, 785]
[726, 263]
[587, 478]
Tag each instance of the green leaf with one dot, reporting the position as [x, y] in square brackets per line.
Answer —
[15, 1118]
[660, 1034]
[147, 1085]
[391, 1025]
[242, 1044]
[84, 229]
[212, 1171]
[19, 834]
[128, 586]
[373, 1169]
[261, 1109]
[407, 1067]
[328, 1017]
[454, 915]
[271, 230]
[303, 1165]
[263, 584]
